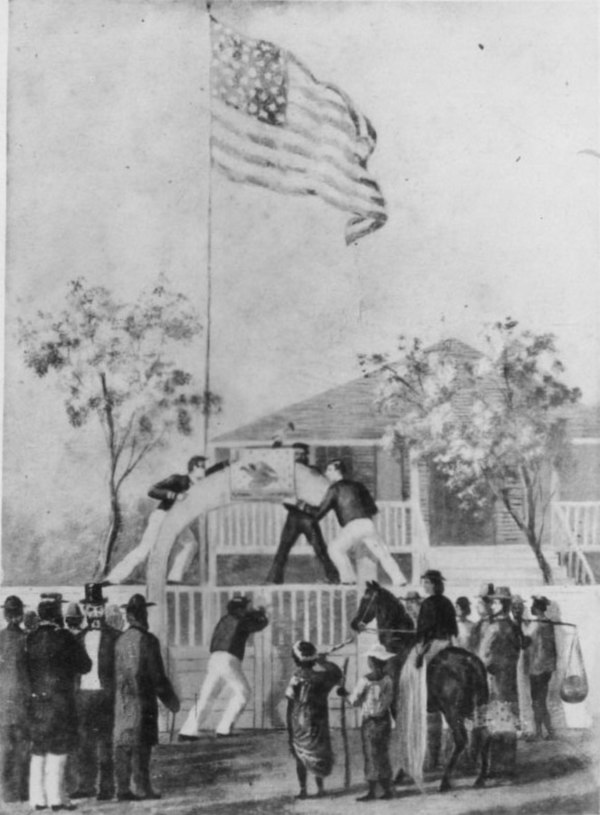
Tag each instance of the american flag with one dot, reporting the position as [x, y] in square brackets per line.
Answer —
[275, 125]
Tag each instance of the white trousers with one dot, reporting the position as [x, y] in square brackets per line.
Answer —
[137, 556]
[46, 780]
[362, 530]
[223, 670]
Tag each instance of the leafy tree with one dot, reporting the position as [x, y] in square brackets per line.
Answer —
[493, 424]
[115, 362]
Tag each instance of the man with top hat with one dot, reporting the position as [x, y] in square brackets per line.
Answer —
[95, 702]
[54, 659]
[311, 487]
[355, 509]
[14, 699]
[227, 649]
[140, 679]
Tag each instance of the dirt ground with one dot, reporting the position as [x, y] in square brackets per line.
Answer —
[252, 773]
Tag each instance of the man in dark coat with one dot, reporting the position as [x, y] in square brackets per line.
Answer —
[14, 698]
[311, 487]
[54, 658]
[95, 701]
[227, 650]
[140, 678]
[355, 509]
[168, 491]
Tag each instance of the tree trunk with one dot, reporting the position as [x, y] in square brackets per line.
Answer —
[539, 556]
[116, 523]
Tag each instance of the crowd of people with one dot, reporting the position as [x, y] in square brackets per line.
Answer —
[78, 693]
[504, 638]
[78, 703]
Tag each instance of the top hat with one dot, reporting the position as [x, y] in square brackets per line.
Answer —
[13, 604]
[136, 602]
[305, 652]
[93, 595]
[486, 590]
[432, 574]
[53, 597]
[379, 651]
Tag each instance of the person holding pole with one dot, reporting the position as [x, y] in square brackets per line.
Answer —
[308, 714]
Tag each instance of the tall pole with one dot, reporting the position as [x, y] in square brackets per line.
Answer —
[208, 316]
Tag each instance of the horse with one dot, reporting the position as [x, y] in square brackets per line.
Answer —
[456, 679]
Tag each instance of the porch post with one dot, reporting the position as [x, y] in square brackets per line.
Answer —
[418, 531]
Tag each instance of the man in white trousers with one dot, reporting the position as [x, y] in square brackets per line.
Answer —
[355, 509]
[168, 491]
[54, 658]
[227, 649]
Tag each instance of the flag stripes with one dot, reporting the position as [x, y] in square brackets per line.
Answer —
[274, 125]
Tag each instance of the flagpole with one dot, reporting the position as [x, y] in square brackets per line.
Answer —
[208, 316]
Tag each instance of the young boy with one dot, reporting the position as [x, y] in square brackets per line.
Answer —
[374, 693]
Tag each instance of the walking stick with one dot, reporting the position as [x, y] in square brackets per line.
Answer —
[347, 777]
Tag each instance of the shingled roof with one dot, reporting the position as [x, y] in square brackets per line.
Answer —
[346, 412]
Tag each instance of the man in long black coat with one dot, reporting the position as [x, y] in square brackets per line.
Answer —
[14, 699]
[96, 701]
[54, 659]
[140, 679]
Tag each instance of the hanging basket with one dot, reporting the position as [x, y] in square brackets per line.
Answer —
[574, 686]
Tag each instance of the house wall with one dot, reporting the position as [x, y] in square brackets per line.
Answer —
[580, 479]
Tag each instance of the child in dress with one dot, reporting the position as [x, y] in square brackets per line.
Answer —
[308, 715]
[375, 693]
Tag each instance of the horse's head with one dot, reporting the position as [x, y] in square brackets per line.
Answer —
[367, 608]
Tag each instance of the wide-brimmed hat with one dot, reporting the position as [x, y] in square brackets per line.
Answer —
[93, 595]
[13, 604]
[136, 603]
[380, 652]
[74, 611]
[432, 574]
[501, 593]
[411, 595]
[305, 652]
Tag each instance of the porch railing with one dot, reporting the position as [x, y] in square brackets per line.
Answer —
[256, 526]
[318, 613]
[574, 530]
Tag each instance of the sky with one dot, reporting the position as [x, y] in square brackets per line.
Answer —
[482, 111]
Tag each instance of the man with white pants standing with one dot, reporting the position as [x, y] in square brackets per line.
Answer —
[54, 657]
[355, 509]
[227, 649]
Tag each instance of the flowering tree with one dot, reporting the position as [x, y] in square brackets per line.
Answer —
[489, 423]
[115, 363]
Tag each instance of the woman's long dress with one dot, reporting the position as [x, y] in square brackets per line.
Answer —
[308, 719]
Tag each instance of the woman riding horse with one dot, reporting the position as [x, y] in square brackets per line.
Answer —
[456, 682]
[436, 626]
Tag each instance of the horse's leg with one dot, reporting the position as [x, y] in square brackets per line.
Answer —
[483, 743]
[459, 734]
